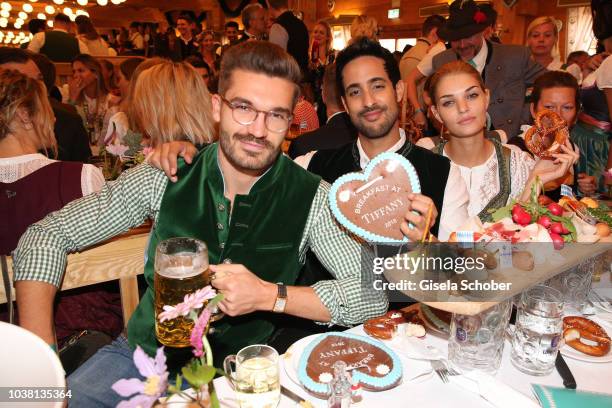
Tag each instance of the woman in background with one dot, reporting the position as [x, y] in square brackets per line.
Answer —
[364, 26]
[494, 173]
[89, 93]
[35, 185]
[208, 51]
[543, 41]
[593, 131]
[321, 54]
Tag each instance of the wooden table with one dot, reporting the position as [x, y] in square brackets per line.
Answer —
[567, 258]
[119, 258]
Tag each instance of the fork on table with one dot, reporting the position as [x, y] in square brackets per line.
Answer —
[443, 370]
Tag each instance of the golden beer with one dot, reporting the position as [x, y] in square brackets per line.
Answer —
[181, 268]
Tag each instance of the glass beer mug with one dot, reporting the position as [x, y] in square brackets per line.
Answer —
[256, 378]
[181, 268]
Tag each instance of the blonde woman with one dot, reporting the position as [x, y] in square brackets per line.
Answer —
[543, 41]
[170, 101]
[364, 26]
[35, 185]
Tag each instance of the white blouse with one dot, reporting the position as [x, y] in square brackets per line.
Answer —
[16, 168]
[483, 183]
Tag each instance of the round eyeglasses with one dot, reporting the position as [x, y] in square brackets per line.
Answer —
[245, 114]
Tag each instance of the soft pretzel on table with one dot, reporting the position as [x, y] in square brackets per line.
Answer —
[576, 328]
[548, 125]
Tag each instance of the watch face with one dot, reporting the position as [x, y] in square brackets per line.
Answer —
[279, 306]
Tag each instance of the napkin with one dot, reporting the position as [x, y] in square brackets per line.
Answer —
[554, 397]
[495, 392]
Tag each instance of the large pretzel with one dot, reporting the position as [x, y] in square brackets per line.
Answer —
[547, 135]
[576, 328]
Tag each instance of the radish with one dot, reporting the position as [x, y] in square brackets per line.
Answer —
[557, 240]
[555, 209]
[544, 221]
[556, 228]
[522, 218]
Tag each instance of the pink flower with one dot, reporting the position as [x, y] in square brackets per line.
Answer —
[198, 332]
[192, 301]
[148, 391]
[117, 150]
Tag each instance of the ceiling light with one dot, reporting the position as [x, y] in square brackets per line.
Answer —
[49, 9]
[41, 16]
[67, 11]
[50, 23]
[82, 2]
[102, 2]
[27, 7]
[5, 13]
[23, 15]
[5, 6]
[58, 2]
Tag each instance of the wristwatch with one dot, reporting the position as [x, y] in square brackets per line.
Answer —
[281, 298]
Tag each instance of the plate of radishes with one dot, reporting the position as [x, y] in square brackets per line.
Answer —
[549, 216]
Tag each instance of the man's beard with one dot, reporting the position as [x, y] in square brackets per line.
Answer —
[245, 160]
[377, 131]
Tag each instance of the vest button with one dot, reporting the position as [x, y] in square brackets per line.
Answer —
[221, 207]
[499, 68]
[509, 121]
[227, 261]
[500, 100]
[222, 245]
[219, 226]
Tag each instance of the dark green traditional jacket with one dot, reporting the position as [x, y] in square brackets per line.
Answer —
[60, 46]
[263, 233]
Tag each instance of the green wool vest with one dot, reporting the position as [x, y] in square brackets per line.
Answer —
[60, 46]
[263, 233]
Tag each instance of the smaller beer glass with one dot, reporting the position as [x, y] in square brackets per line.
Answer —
[181, 268]
[256, 379]
[538, 330]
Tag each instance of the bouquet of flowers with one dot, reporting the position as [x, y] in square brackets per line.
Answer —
[118, 157]
[198, 373]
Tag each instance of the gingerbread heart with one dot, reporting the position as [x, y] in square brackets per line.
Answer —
[547, 135]
[372, 204]
[375, 366]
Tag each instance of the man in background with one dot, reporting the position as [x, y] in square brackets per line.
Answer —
[337, 131]
[254, 21]
[58, 44]
[429, 38]
[289, 32]
[185, 45]
[507, 70]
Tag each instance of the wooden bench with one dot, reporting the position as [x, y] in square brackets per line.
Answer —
[120, 258]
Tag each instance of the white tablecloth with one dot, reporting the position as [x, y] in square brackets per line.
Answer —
[432, 392]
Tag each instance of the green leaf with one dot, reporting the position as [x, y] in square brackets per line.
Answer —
[502, 212]
[198, 374]
[176, 389]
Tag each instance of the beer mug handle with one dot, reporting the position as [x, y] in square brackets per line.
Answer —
[227, 367]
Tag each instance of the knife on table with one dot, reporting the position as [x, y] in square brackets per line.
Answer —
[568, 378]
[294, 397]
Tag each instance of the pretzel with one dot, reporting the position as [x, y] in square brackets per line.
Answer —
[576, 328]
[385, 327]
[546, 137]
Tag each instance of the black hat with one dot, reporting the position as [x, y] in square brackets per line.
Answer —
[602, 18]
[465, 19]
